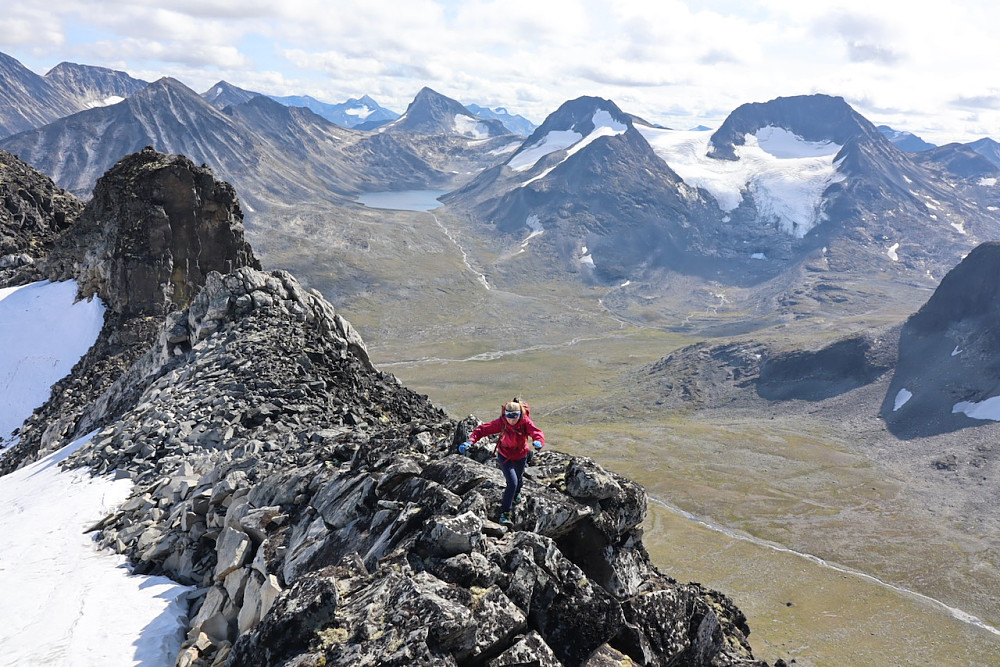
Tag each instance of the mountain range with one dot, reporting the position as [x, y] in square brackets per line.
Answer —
[272, 152]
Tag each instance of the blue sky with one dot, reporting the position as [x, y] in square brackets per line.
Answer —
[924, 67]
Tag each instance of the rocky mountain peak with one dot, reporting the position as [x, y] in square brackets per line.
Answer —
[224, 94]
[578, 116]
[431, 112]
[812, 117]
[162, 225]
[92, 85]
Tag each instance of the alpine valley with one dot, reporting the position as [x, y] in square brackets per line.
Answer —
[764, 357]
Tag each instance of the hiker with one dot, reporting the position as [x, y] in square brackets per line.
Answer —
[516, 432]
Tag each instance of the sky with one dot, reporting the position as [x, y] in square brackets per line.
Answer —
[66, 602]
[927, 68]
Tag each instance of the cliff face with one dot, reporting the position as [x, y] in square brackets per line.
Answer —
[321, 507]
[33, 213]
[156, 226]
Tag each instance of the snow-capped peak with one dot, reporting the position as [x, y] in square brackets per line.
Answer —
[784, 174]
[604, 125]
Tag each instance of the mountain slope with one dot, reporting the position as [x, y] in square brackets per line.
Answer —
[364, 113]
[905, 141]
[946, 377]
[276, 155]
[431, 113]
[988, 148]
[77, 149]
[27, 100]
[776, 183]
[224, 94]
[93, 86]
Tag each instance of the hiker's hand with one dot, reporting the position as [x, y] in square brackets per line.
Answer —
[537, 444]
[463, 447]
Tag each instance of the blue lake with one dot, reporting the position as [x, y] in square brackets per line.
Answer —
[403, 200]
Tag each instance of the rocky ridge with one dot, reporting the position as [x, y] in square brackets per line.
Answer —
[33, 214]
[319, 507]
[154, 229]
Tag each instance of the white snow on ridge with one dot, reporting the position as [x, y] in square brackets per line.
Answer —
[42, 335]
[784, 174]
[783, 144]
[470, 127]
[604, 126]
[550, 143]
[65, 602]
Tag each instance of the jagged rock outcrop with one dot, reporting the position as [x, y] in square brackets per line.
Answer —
[33, 213]
[156, 226]
[324, 514]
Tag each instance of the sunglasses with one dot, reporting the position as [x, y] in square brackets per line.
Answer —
[511, 415]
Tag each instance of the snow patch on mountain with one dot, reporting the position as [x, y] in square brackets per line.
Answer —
[783, 173]
[470, 127]
[536, 228]
[65, 602]
[106, 102]
[43, 333]
[556, 140]
[988, 409]
[902, 396]
[604, 126]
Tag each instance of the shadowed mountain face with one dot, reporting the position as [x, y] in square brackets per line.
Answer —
[947, 375]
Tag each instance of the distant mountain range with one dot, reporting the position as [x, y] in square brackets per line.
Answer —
[775, 183]
[273, 153]
[28, 101]
[614, 196]
[513, 122]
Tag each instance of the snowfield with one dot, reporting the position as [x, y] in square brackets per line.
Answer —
[42, 335]
[66, 603]
[783, 174]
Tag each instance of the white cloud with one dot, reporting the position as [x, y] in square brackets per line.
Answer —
[676, 62]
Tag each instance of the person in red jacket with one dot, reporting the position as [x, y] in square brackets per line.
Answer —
[518, 434]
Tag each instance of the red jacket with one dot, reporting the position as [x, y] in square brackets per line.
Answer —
[515, 439]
